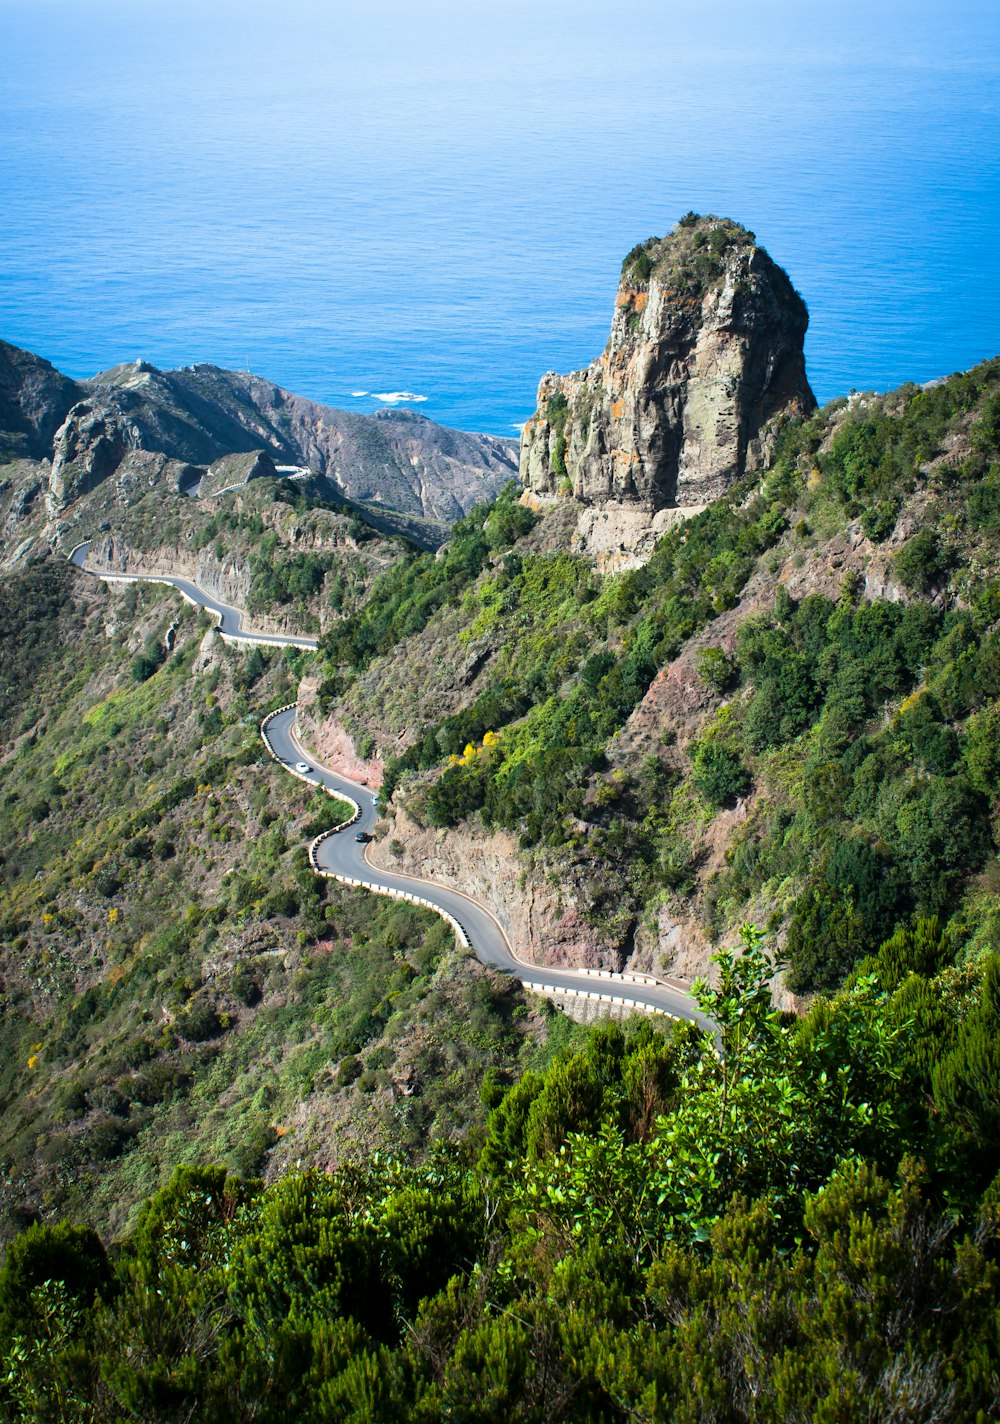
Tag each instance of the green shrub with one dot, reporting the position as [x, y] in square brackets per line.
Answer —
[849, 905]
[940, 840]
[348, 1071]
[143, 667]
[879, 521]
[638, 265]
[245, 986]
[923, 562]
[71, 1255]
[966, 1084]
[198, 1021]
[984, 433]
[718, 773]
[918, 949]
[717, 670]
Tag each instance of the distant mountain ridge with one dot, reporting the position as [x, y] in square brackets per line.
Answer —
[394, 460]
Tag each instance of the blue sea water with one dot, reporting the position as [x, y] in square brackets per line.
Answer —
[433, 200]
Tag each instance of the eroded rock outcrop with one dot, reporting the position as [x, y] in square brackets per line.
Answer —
[234, 471]
[89, 446]
[34, 399]
[705, 349]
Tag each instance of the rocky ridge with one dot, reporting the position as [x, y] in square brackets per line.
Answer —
[144, 427]
[34, 401]
[705, 350]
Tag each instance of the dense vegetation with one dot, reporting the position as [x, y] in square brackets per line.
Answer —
[404, 599]
[854, 726]
[801, 1228]
[285, 579]
[894, 816]
[536, 776]
[690, 257]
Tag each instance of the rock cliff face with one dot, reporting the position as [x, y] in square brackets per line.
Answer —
[228, 579]
[705, 348]
[34, 399]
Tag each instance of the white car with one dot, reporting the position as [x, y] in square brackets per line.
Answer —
[303, 766]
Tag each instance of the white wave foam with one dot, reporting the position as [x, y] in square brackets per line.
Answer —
[359, 393]
[396, 397]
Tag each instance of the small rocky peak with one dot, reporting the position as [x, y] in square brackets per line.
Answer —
[140, 372]
[127, 374]
[705, 348]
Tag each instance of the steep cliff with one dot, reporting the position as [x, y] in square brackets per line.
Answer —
[705, 348]
[34, 399]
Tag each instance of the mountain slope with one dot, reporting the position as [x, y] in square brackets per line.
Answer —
[176, 983]
[785, 712]
[802, 1227]
[784, 715]
[34, 400]
[396, 459]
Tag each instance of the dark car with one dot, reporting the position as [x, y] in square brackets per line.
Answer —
[363, 836]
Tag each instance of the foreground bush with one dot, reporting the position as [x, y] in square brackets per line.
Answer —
[786, 1222]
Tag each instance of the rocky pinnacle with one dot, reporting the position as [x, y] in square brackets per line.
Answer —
[705, 349]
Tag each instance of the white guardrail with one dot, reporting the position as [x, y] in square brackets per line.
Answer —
[536, 986]
[309, 780]
[556, 990]
[314, 845]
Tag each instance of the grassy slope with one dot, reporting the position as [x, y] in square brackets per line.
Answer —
[176, 984]
[803, 1227]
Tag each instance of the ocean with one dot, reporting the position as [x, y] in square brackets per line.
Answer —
[428, 204]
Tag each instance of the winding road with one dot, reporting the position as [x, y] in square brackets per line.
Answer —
[230, 619]
[342, 856]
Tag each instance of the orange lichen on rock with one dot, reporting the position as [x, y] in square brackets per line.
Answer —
[679, 383]
[629, 296]
[625, 458]
[530, 500]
